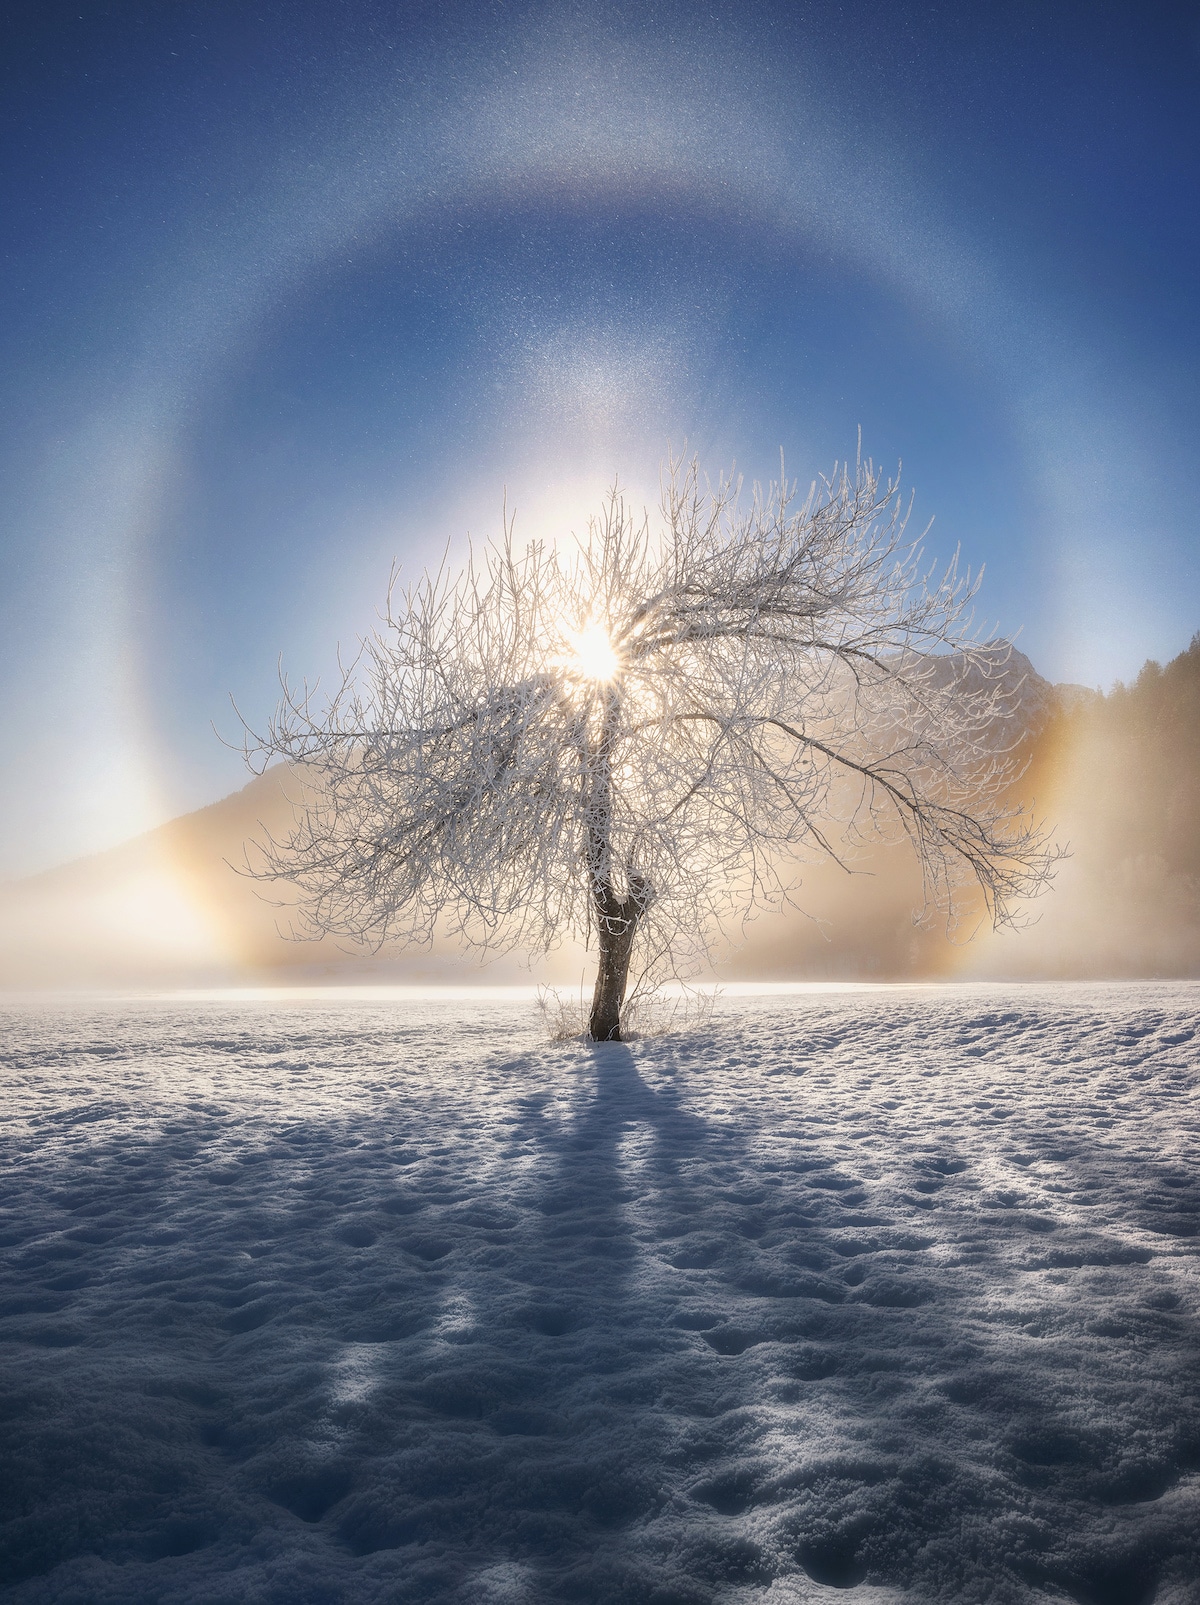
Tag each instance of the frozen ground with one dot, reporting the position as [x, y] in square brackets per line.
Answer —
[878, 1295]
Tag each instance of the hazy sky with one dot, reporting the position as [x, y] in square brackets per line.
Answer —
[290, 290]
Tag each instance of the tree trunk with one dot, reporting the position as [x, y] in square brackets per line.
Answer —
[616, 917]
[617, 924]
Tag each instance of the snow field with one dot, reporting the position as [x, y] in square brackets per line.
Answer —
[887, 1295]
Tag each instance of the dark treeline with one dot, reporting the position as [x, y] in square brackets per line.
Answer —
[1125, 770]
[1119, 777]
[1152, 729]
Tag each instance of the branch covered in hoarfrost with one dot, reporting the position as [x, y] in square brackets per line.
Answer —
[776, 679]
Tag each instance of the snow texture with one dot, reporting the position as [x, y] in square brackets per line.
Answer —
[887, 1295]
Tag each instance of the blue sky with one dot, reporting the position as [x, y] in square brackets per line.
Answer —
[294, 290]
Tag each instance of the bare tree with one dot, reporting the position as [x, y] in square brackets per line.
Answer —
[631, 740]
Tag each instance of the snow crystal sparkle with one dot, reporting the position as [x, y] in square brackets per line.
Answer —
[379, 1298]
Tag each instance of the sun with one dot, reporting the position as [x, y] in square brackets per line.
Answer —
[593, 656]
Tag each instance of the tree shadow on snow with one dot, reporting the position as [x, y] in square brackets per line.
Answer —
[556, 1336]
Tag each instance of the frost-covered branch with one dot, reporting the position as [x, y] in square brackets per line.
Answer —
[630, 741]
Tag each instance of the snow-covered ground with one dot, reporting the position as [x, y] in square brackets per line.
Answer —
[872, 1294]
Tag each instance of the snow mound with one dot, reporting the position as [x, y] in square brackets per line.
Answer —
[887, 1295]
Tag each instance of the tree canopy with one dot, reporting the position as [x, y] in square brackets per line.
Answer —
[632, 737]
